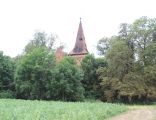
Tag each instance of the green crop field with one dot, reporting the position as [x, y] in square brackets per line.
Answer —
[51, 110]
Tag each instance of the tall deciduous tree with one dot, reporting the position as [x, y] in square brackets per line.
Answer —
[119, 59]
[34, 73]
[103, 45]
[67, 84]
[6, 75]
[131, 61]
[41, 39]
[90, 82]
[143, 32]
[119, 64]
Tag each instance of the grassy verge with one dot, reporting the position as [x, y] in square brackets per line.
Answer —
[155, 111]
[51, 110]
[138, 106]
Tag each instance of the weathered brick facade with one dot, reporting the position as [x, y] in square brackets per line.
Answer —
[59, 54]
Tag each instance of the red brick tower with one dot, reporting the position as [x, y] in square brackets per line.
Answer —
[80, 49]
[59, 54]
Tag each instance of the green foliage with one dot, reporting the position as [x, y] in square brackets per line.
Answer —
[41, 110]
[90, 81]
[133, 88]
[67, 84]
[150, 79]
[103, 45]
[7, 94]
[41, 39]
[119, 59]
[38, 77]
[143, 31]
[149, 54]
[6, 73]
[34, 73]
[130, 74]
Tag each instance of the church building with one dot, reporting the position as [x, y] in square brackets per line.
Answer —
[80, 49]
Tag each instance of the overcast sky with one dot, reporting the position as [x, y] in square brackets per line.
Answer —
[19, 19]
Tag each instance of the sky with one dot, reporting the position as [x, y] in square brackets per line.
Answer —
[20, 19]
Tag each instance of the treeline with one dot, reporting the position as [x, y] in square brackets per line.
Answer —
[126, 72]
[130, 75]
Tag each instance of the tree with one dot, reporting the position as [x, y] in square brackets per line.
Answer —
[150, 79]
[103, 45]
[90, 81]
[149, 70]
[119, 59]
[6, 75]
[125, 34]
[67, 84]
[133, 88]
[41, 39]
[125, 30]
[143, 32]
[119, 64]
[149, 54]
[108, 85]
[34, 74]
[131, 58]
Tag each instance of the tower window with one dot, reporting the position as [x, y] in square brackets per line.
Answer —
[80, 39]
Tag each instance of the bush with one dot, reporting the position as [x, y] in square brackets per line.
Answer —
[6, 94]
[67, 84]
[34, 74]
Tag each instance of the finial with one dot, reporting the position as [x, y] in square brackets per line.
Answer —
[80, 18]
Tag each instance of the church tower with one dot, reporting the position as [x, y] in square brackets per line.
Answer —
[80, 49]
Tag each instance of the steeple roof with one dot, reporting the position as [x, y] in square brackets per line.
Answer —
[80, 47]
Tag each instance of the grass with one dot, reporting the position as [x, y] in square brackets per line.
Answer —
[11, 109]
[138, 106]
[155, 111]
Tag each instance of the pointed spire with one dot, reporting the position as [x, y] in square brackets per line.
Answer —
[80, 45]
